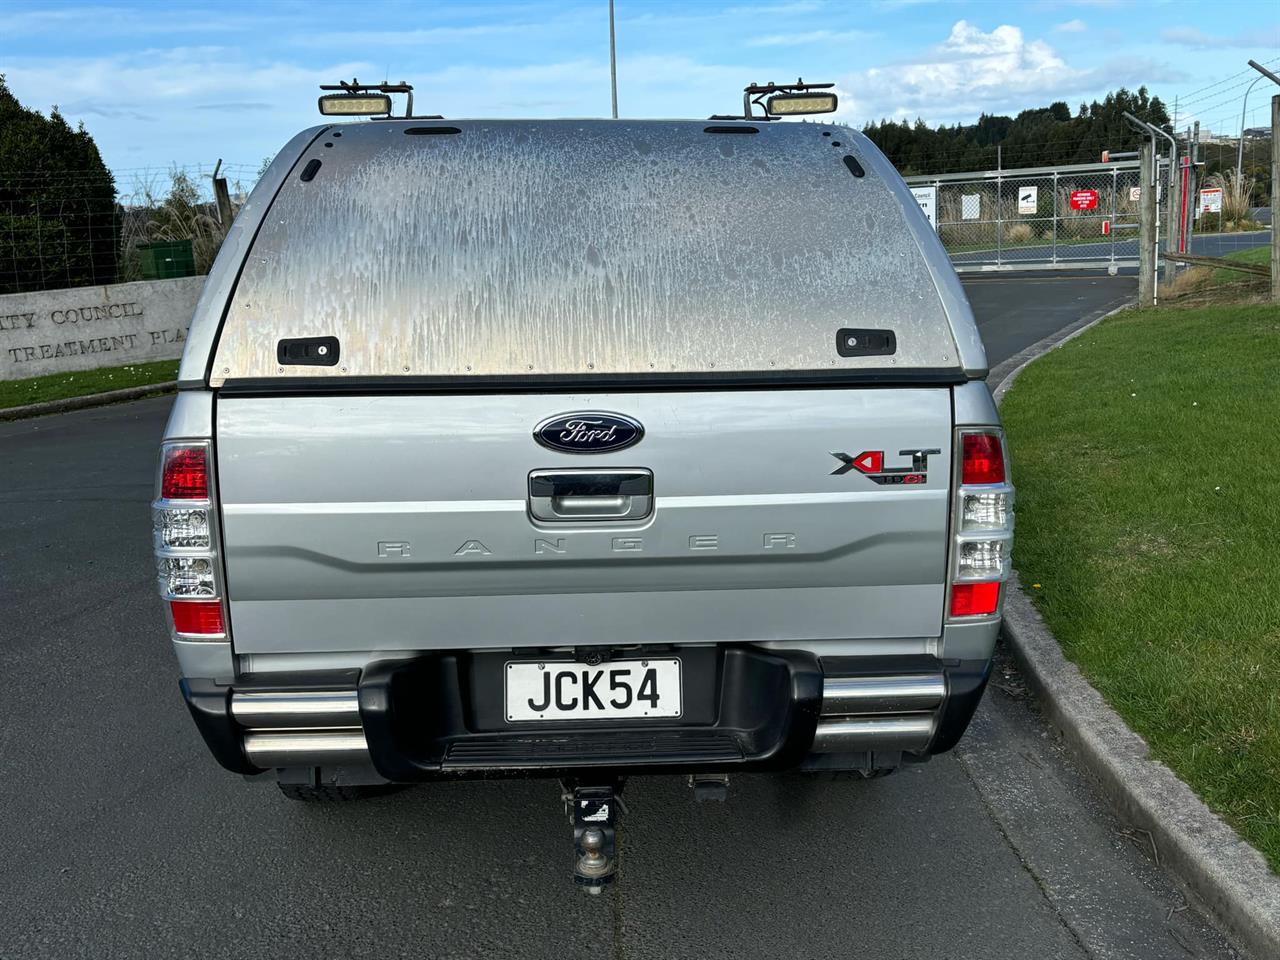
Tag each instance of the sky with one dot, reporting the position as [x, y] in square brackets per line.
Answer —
[164, 82]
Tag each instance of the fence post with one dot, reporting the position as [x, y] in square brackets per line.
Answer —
[1275, 198]
[1147, 228]
[1055, 216]
[1171, 218]
[224, 202]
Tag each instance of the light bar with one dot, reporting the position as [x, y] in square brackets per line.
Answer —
[796, 104]
[355, 105]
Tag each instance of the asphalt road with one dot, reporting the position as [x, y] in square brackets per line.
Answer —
[120, 837]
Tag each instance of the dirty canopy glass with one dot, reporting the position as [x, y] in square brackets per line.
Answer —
[582, 247]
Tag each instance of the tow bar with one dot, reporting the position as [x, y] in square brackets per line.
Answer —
[593, 810]
[594, 816]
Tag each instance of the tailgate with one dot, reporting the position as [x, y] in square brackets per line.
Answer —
[401, 522]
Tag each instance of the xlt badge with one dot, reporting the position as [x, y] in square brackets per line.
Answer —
[588, 432]
[870, 463]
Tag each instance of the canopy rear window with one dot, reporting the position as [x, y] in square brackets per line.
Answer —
[526, 248]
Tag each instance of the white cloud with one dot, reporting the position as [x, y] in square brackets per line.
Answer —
[1072, 26]
[812, 36]
[973, 71]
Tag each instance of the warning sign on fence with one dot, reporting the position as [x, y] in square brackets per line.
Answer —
[927, 197]
[1084, 199]
[970, 206]
[1211, 200]
[1027, 199]
[1135, 194]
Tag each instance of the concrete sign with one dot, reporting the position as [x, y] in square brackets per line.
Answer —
[52, 331]
[927, 197]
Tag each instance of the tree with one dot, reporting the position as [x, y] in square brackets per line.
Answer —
[1042, 136]
[58, 218]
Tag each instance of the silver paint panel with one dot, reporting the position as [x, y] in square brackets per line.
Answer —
[752, 538]
[974, 406]
[191, 417]
[589, 246]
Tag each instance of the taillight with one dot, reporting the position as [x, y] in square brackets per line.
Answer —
[200, 617]
[982, 458]
[982, 528]
[186, 544]
[974, 599]
[184, 472]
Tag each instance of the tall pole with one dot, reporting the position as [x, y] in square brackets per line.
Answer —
[1147, 227]
[1240, 149]
[613, 64]
[1275, 197]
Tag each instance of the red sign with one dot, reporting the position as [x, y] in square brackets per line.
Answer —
[1084, 199]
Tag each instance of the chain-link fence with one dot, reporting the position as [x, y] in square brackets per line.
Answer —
[69, 230]
[1084, 215]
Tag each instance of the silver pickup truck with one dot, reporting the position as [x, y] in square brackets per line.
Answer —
[581, 449]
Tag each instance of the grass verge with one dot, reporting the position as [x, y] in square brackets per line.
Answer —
[59, 386]
[1218, 283]
[1148, 509]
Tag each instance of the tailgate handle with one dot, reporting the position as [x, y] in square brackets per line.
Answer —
[587, 494]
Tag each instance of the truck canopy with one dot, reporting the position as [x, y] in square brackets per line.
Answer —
[588, 248]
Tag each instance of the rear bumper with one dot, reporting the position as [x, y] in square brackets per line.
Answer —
[442, 715]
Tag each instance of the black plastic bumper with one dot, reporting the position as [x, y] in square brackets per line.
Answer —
[442, 715]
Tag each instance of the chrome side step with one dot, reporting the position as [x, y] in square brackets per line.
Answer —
[274, 709]
[300, 728]
[306, 748]
[842, 696]
[879, 713]
[853, 734]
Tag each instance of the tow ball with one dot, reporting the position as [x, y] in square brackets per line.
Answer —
[594, 814]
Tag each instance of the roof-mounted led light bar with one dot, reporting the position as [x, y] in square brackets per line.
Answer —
[788, 99]
[358, 99]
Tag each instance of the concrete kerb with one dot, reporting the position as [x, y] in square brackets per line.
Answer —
[1223, 874]
[91, 400]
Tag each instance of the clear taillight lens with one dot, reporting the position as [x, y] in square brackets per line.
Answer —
[186, 577]
[983, 560]
[986, 511]
[181, 528]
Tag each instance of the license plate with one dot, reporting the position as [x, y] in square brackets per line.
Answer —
[616, 690]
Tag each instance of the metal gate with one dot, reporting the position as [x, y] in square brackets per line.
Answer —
[1037, 218]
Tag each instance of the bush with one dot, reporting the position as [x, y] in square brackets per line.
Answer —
[57, 202]
[182, 215]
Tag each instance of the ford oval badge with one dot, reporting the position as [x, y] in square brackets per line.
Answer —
[588, 431]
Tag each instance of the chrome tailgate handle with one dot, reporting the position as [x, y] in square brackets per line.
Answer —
[590, 494]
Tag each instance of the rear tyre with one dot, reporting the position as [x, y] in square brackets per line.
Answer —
[306, 793]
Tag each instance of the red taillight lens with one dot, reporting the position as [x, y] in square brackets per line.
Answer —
[185, 473]
[974, 599]
[983, 458]
[197, 616]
